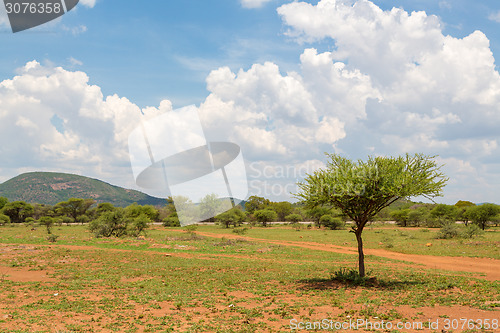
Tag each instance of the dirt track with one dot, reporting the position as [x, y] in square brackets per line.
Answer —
[490, 267]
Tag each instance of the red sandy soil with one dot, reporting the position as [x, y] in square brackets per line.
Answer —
[488, 268]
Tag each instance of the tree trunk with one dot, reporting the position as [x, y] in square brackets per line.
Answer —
[361, 256]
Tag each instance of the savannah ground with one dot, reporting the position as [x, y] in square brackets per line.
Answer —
[213, 280]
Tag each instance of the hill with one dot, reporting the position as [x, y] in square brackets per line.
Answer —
[51, 187]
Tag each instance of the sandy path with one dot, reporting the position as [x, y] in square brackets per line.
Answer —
[490, 267]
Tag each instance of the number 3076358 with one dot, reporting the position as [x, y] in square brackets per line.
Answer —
[33, 8]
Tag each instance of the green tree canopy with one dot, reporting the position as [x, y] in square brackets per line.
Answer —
[483, 214]
[401, 216]
[3, 201]
[462, 203]
[4, 219]
[265, 215]
[256, 203]
[362, 188]
[463, 206]
[282, 208]
[444, 214]
[294, 218]
[74, 207]
[233, 216]
[17, 211]
[104, 207]
[134, 210]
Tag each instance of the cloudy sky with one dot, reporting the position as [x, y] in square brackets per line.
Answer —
[287, 81]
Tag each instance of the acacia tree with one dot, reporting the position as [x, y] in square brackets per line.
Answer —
[282, 208]
[17, 211]
[361, 189]
[482, 214]
[265, 215]
[462, 207]
[74, 207]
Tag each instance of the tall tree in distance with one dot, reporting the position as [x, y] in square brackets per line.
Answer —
[361, 189]
[74, 207]
[17, 211]
[483, 214]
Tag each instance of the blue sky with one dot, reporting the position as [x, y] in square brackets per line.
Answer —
[286, 81]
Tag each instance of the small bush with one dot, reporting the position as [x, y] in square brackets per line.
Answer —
[349, 275]
[330, 222]
[4, 219]
[66, 219]
[190, 229]
[294, 218]
[110, 223]
[80, 219]
[240, 231]
[471, 230]
[138, 224]
[28, 220]
[52, 238]
[448, 231]
[171, 221]
[48, 222]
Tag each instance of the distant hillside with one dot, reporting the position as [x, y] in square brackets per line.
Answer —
[51, 188]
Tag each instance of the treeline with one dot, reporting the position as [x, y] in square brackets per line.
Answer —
[103, 219]
[405, 213]
[106, 220]
[411, 214]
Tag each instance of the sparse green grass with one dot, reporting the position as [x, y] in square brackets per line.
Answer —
[378, 236]
[213, 284]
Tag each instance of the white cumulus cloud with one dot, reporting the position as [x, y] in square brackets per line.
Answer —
[390, 83]
[91, 137]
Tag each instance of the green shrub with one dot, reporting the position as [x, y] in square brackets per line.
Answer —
[66, 219]
[4, 219]
[240, 231]
[330, 222]
[433, 223]
[233, 217]
[448, 231]
[80, 219]
[52, 238]
[48, 222]
[293, 218]
[190, 229]
[349, 275]
[138, 224]
[471, 230]
[171, 221]
[109, 223]
[28, 220]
